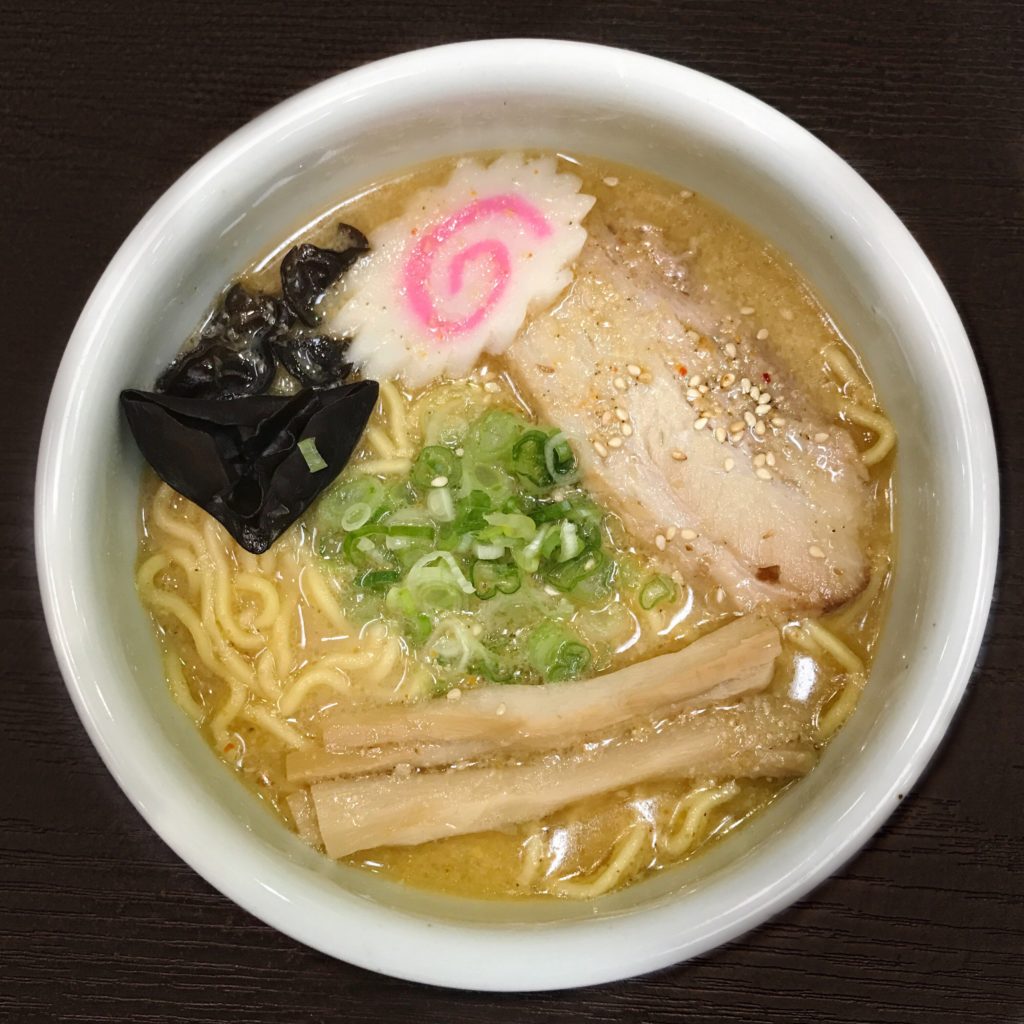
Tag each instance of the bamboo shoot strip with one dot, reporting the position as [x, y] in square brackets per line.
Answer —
[394, 810]
[738, 658]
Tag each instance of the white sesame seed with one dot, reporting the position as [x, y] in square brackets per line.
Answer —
[764, 474]
[460, 452]
[778, 421]
[688, 534]
[701, 423]
[765, 398]
[439, 481]
[691, 337]
[614, 442]
[821, 437]
[678, 455]
[815, 552]
[670, 533]
[685, 194]
[611, 181]
[621, 415]
[760, 459]
[745, 385]
[770, 458]
[500, 709]
[762, 335]
[720, 435]
[759, 428]
[728, 379]
[730, 349]
[476, 629]
[762, 410]
[619, 383]
[729, 463]
[606, 417]
[692, 394]
[627, 430]
[589, 564]
[747, 310]
[736, 428]
[696, 380]
[720, 595]
[703, 389]
[755, 392]
[645, 377]
[601, 449]
[633, 370]
[749, 418]
[493, 387]
[454, 693]
[659, 542]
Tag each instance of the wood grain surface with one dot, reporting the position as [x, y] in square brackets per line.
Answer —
[104, 105]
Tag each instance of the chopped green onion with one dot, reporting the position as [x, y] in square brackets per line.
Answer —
[488, 552]
[655, 591]
[569, 542]
[490, 578]
[556, 654]
[494, 435]
[436, 463]
[355, 516]
[446, 557]
[528, 458]
[511, 524]
[378, 579]
[441, 504]
[560, 460]
[314, 460]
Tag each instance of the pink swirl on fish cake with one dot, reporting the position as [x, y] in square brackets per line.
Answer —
[418, 268]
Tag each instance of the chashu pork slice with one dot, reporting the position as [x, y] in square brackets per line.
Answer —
[676, 426]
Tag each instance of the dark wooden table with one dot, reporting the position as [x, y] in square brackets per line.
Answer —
[104, 105]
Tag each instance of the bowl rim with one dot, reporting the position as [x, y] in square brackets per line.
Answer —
[498, 958]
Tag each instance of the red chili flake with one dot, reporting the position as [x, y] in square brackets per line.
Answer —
[228, 746]
[681, 370]
[767, 378]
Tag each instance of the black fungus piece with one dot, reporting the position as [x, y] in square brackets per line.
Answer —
[240, 460]
[232, 357]
[215, 370]
[314, 361]
[307, 271]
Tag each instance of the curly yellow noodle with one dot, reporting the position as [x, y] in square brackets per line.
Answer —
[380, 442]
[267, 594]
[307, 680]
[173, 523]
[694, 809]
[184, 558]
[180, 688]
[247, 561]
[394, 407]
[281, 636]
[623, 862]
[285, 732]
[317, 593]
[879, 425]
[266, 676]
[842, 368]
[222, 590]
[838, 710]
[827, 641]
[386, 467]
[533, 858]
[848, 615]
[238, 694]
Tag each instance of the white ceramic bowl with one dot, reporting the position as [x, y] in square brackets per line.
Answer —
[261, 184]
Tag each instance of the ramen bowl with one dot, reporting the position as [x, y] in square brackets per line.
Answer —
[267, 179]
